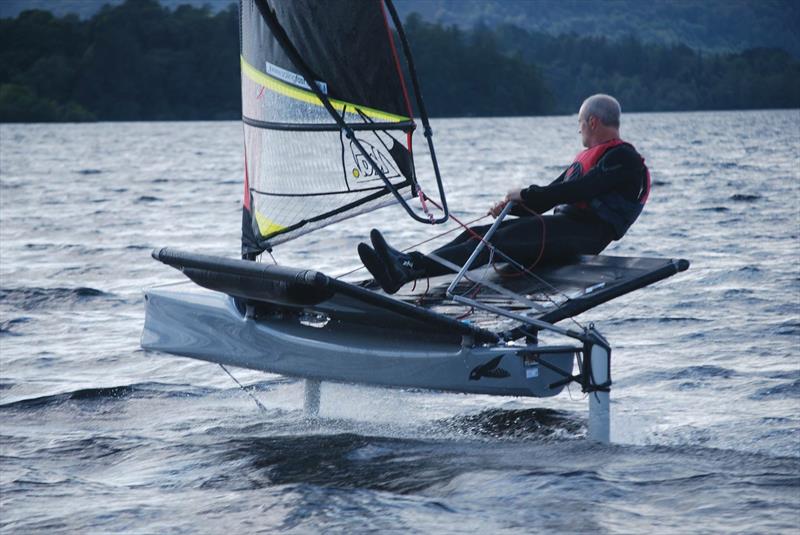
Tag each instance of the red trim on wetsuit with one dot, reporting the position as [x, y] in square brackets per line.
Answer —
[588, 158]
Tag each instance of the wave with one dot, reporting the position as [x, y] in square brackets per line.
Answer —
[659, 319]
[36, 298]
[789, 374]
[344, 460]
[702, 372]
[7, 327]
[788, 328]
[782, 391]
[692, 375]
[537, 424]
[715, 209]
[744, 197]
[111, 393]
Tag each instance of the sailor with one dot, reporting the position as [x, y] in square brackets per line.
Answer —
[596, 199]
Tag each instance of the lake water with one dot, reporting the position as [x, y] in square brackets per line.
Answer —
[98, 435]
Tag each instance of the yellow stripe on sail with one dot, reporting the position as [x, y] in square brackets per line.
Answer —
[266, 226]
[304, 95]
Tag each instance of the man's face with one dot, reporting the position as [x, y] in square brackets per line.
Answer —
[583, 127]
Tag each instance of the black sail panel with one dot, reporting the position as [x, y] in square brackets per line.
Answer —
[345, 43]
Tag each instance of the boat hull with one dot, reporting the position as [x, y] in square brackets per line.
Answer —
[184, 319]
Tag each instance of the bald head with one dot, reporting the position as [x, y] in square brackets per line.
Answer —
[598, 120]
[604, 107]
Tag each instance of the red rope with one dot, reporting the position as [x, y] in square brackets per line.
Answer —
[478, 237]
[424, 295]
[541, 249]
[469, 312]
[474, 234]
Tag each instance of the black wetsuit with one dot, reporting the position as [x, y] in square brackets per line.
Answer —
[570, 231]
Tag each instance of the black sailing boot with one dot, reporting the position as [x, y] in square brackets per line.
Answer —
[400, 266]
[376, 268]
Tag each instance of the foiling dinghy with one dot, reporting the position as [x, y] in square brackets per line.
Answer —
[328, 127]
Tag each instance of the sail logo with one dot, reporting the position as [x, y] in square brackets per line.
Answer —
[292, 77]
[363, 170]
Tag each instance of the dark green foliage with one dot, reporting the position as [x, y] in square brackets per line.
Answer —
[465, 74]
[713, 25]
[20, 104]
[142, 61]
[135, 61]
[646, 77]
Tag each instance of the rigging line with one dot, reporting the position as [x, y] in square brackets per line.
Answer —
[427, 131]
[421, 299]
[367, 120]
[416, 245]
[246, 391]
[493, 249]
[631, 300]
[413, 177]
[541, 247]
[497, 288]
[445, 233]
[341, 143]
[513, 262]
[535, 262]
[510, 260]
[478, 285]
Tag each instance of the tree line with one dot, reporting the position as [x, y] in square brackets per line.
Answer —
[142, 61]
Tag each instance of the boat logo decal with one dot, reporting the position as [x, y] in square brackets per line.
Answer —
[292, 77]
[489, 369]
[363, 170]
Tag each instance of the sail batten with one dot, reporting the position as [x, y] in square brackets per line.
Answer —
[405, 126]
[305, 95]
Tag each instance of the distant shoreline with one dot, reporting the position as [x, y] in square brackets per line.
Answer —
[433, 118]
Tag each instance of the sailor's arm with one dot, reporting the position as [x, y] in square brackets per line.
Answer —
[614, 171]
[515, 196]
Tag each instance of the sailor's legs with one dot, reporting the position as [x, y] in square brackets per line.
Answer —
[526, 239]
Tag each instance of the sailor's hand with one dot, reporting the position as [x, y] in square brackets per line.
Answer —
[497, 208]
[514, 195]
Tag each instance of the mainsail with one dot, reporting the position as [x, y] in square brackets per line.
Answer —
[327, 116]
